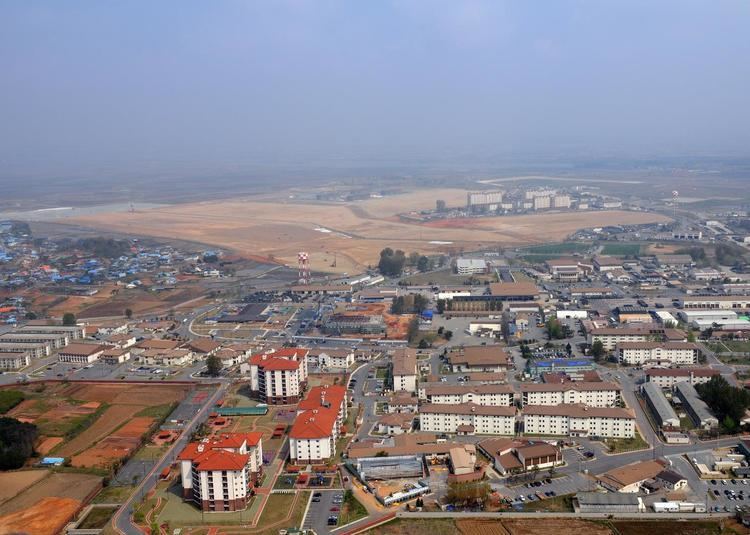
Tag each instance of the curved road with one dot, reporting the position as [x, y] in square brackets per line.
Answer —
[122, 520]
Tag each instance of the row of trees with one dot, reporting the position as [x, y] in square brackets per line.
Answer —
[408, 304]
[727, 402]
[392, 262]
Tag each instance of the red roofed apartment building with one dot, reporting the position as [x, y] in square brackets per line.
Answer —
[279, 378]
[319, 422]
[218, 474]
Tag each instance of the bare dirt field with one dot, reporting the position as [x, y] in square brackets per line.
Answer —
[47, 517]
[351, 234]
[56, 485]
[115, 432]
[11, 483]
[112, 418]
[558, 526]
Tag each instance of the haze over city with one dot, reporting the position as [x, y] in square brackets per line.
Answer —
[383, 268]
[139, 87]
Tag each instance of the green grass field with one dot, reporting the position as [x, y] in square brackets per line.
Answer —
[621, 249]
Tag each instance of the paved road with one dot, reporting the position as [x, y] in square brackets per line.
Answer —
[122, 520]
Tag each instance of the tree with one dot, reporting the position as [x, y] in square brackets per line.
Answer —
[423, 264]
[597, 350]
[440, 306]
[397, 306]
[16, 443]
[448, 335]
[423, 344]
[554, 329]
[413, 258]
[213, 366]
[30, 315]
[69, 319]
[727, 402]
[568, 349]
[391, 262]
[381, 453]
[128, 313]
[691, 336]
[420, 303]
[413, 330]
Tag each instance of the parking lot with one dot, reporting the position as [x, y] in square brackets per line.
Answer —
[727, 494]
[320, 514]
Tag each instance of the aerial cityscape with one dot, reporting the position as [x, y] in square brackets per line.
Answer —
[282, 269]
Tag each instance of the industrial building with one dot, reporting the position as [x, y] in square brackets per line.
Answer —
[662, 411]
[607, 502]
[471, 266]
[695, 406]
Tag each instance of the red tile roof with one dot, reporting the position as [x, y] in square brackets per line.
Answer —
[316, 423]
[273, 363]
[335, 395]
[220, 460]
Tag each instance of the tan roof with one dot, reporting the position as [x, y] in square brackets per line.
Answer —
[82, 349]
[443, 389]
[404, 361]
[409, 444]
[632, 473]
[466, 408]
[711, 298]
[608, 261]
[401, 419]
[486, 376]
[578, 411]
[460, 458]
[153, 343]
[562, 262]
[681, 372]
[580, 386]
[514, 289]
[489, 355]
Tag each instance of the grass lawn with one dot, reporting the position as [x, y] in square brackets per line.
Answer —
[621, 445]
[150, 452]
[97, 518]
[114, 494]
[736, 346]
[159, 412]
[381, 373]
[557, 504]
[621, 249]
[285, 481]
[276, 509]
[351, 510]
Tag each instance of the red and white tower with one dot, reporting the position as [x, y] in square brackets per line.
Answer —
[303, 260]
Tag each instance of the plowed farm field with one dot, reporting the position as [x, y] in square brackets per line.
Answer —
[349, 235]
[94, 424]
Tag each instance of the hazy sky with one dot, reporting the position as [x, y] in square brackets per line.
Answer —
[124, 84]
